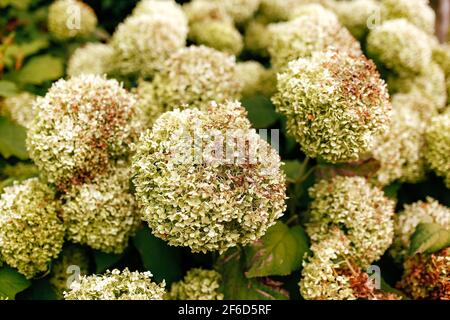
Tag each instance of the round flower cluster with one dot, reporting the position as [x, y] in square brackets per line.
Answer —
[335, 104]
[426, 276]
[437, 152]
[219, 35]
[101, 214]
[93, 58]
[116, 285]
[400, 46]
[211, 24]
[240, 10]
[80, 125]
[314, 29]
[412, 215]
[360, 211]
[357, 15]
[31, 234]
[399, 151]
[430, 84]
[418, 12]
[71, 18]
[19, 108]
[257, 39]
[71, 256]
[143, 42]
[320, 277]
[194, 76]
[255, 79]
[208, 197]
[281, 10]
[149, 109]
[165, 8]
[198, 284]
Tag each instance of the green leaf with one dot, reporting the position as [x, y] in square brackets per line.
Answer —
[293, 169]
[235, 286]
[391, 190]
[12, 140]
[11, 282]
[8, 88]
[39, 290]
[19, 4]
[429, 238]
[104, 261]
[278, 253]
[25, 49]
[261, 111]
[161, 259]
[40, 69]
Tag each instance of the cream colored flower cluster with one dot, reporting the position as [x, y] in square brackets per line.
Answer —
[19, 108]
[31, 233]
[71, 18]
[116, 285]
[198, 284]
[335, 104]
[81, 125]
[198, 188]
[93, 58]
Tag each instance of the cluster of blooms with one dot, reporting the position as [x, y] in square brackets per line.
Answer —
[31, 234]
[214, 23]
[194, 76]
[313, 29]
[427, 276]
[406, 222]
[437, 152]
[148, 37]
[335, 103]
[71, 256]
[193, 197]
[81, 124]
[102, 213]
[255, 79]
[198, 284]
[71, 18]
[116, 285]
[82, 60]
[19, 108]
[399, 151]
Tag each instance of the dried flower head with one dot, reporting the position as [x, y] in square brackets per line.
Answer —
[80, 125]
[93, 58]
[427, 276]
[116, 285]
[400, 46]
[335, 104]
[197, 190]
[359, 210]
[71, 18]
[399, 151]
[418, 12]
[406, 222]
[102, 214]
[430, 84]
[31, 234]
[19, 108]
[198, 284]
[143, 42]
[63, 268]
[194, 76]
[314, 29]
[437, 151]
